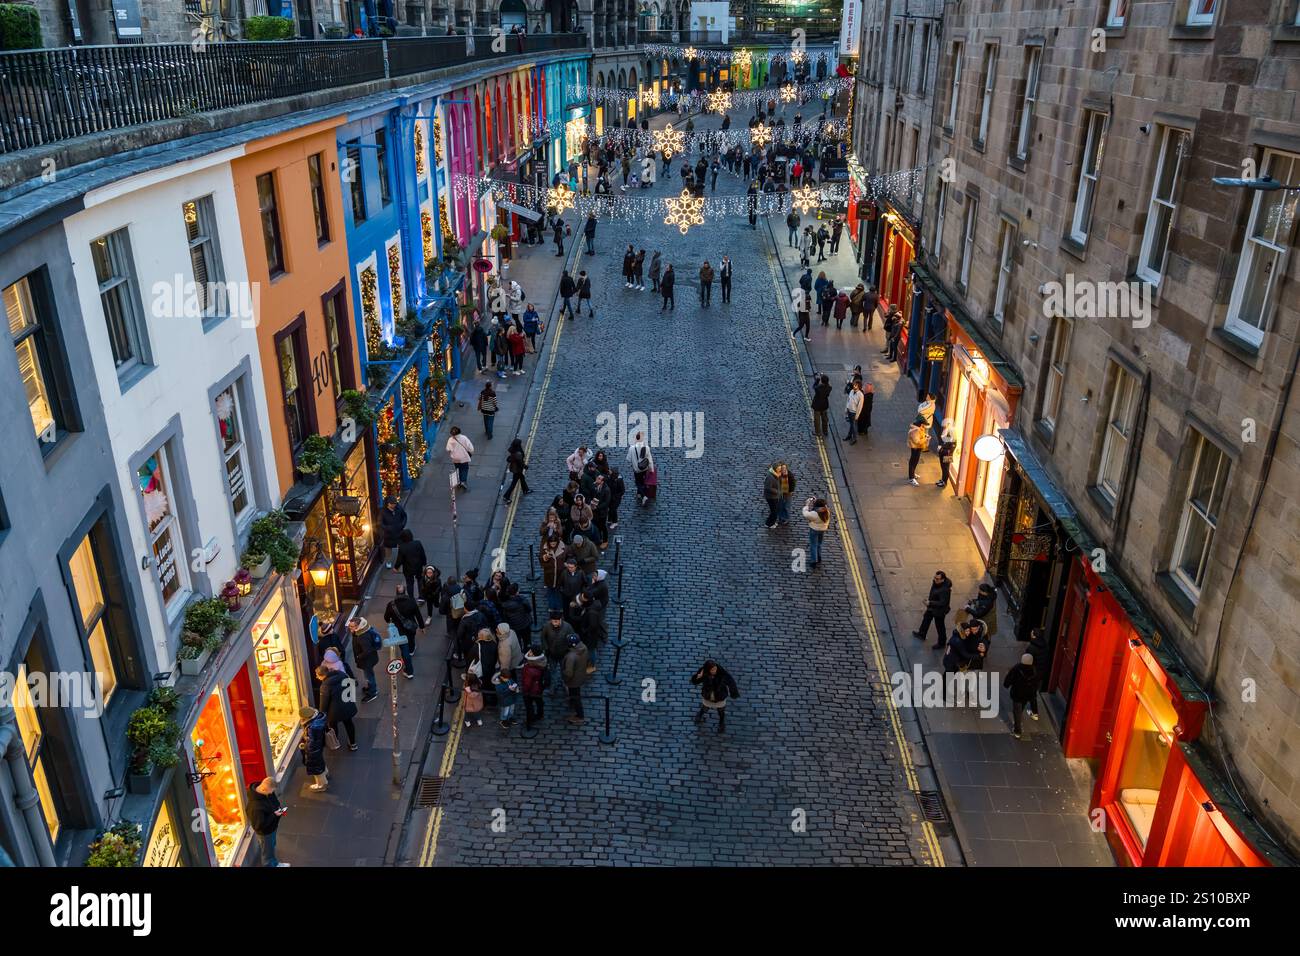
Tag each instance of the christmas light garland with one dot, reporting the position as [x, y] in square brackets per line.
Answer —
[413, 422]
[697, 99]
[739, 57]
[370, 311]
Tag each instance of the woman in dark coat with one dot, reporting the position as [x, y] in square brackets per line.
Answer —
[312, 746]
[431, 589]
[392, 520]
[335, 703]
[864, 416]
[716, 685]
[516, 464]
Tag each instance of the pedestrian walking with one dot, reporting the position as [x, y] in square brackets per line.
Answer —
[666, 289]
[869, 304]
[403, 612]
[716, 686]
[584, 293]
[806, 242]
[852, 407]
[589, 233]
[431, 590]
[411, 559]
[837, 229]
[638, 271]
[568, 289]
[576, 671]
[264, 813]
[532, 327]
[478, 340]
[629, 257]
[516, 464]
[642, 461]
[1021, 683]
[655, 267]
[1041, 651]
[937, 604]
[822, 238]
[821, 403]
[487, 406]
[918, 440]
[840, 308]
[461, 450]
[724, 276]
[366, 642]
[392, 520]
[558, 231]
[706, 283]
[312, 747]
[792, 221]
[818, 516]
[802, 311]
[947, 447]
[336, 698]
[826, 303]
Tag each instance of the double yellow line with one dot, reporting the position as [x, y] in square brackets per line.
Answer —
[855, 572]
[429, 847]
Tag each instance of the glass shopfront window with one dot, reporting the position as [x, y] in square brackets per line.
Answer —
[988, 483]
[276, 673]
[320, 600]
[1146, 754]
[214, 760]
[351, 532]
[164, 847]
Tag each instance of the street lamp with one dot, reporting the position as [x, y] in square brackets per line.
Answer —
[1263, 183]
[989, 448]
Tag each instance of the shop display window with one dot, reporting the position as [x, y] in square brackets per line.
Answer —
[273, 650]
[214, 760]
[320, 600]
[164, 842]
[1146, 755]
[351, 531]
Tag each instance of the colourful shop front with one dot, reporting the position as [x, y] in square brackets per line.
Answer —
[897, 250]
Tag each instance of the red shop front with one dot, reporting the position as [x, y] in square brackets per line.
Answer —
[898, 249]
[1137, 714]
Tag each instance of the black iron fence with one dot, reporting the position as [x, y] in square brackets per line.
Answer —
[48, 96]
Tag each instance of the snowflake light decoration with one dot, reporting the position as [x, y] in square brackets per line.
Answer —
[760, 135]
[684, 211]
[798, 56]
[741, 59]
[788, 93]
[719, 101]
[560, 197]
[690, 53]
[669, 141]
[806, 197]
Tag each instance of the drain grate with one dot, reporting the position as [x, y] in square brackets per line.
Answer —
[932, 807]
[430, 792]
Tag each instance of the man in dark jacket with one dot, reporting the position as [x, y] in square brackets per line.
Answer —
[869, 303]
[1022, 683]
[479, 341]
[467, 631]
[392, 520]
[568, 288]
[575, 670]
[366, 642]
[589, 622]
[589, 232]
[518, 613]
[264, 812]
[617, 487]
[868, 402]
[724, 276]
[312, 746]
[937, 604]
[821, 403]
[554, 635]
[410, 559]
[1042, 654]
[584, 293]
[666, 289]
[403, 611]
[716, 685]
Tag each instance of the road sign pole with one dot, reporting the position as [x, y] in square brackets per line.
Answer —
[394, 666]
[455, 522]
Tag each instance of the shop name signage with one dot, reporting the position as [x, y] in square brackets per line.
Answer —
[936, 352]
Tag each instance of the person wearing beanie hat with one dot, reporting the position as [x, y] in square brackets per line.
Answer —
[984, 606]
[584, 551]
[312, 747]
[1021, 683]
[365, 652]
[575, 674]
[532, 682]
[599, 588]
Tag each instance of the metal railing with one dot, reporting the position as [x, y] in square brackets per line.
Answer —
[49, 96]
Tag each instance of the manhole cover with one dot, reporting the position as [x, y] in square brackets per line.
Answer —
[429, 793]
[889, 558]
[932, 807]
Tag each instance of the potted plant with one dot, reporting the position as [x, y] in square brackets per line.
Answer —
[154, 737]
[118, 846]
[357, 407]
[319, 458]
[268, 537]
[207, 622]
[256, 563]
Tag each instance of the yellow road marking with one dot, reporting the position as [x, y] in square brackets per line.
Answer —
[429, 847]
[855, 571]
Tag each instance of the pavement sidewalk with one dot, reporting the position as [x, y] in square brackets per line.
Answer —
[1013, 802]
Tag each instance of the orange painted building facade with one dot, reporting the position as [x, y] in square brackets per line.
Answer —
[290, 205]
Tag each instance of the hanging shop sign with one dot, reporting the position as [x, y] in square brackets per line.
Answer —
[482, 265]
[936, 351]
[1031, 547]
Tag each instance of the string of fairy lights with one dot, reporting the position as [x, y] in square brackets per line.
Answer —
[739, 58]
[679, 141]
[717, 101]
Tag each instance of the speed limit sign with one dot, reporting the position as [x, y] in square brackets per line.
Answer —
[395, 667]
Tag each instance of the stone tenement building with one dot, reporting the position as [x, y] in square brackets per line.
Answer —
[1084, 141]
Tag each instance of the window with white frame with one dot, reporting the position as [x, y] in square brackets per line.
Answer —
[1033, 62]
[205, 254]
[1200, 517]
[153, 479]
[1006, 258]
[1054, 386]
[115, 273]
[234, 452]
[1264, 251]
[968, 240]
[1094, 147]
[1161, 208]
[1200, 13]
[986, 97]
[1117, 13]
[954, 91]
[940, 207]
[1120, 415]
[32, 343]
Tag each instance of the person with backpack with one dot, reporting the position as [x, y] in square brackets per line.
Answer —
[404, 613]
[337, 690]
[312, 747]
[366, 643]
[472, 689]
[516, 464]
[411, 559]
[518, 613]
[716, 686]
[461, 451]
[642, 461]
[533, 681]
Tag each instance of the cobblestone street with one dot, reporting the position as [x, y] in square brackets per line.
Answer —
[811, 734]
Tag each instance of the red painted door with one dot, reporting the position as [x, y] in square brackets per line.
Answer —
[248, 733]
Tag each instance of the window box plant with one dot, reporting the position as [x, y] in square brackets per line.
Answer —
[256, 563]
[267, 537]
[319, 458]
[154, 737]
[357, 407]
[118, 846]
[207, 622]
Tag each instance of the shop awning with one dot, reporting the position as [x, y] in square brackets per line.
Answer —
[992, 354]
[1063, 511]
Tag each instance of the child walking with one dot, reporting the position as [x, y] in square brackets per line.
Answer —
[473, 691]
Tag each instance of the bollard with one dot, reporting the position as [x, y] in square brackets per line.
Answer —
[449, 688]
[620, 585]
[608, 736]
[613, 678]
[440, 726]
[532, 595]
[618, 641]
[618, 548]
[532, 573]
